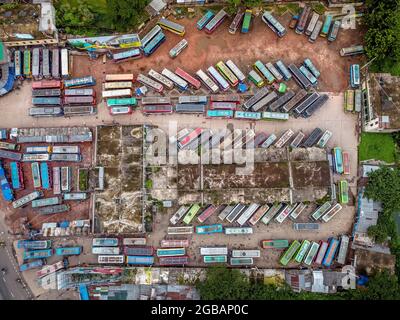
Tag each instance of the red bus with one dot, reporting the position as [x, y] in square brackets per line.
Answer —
[190, 137]
[187, 77]
[206, 213]
[47, 84]
[346, 162]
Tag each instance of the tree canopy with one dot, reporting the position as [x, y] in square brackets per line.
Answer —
[124, 14]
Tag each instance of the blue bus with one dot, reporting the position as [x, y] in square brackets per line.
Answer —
[355, 75]
[274, 24]
[68, 251]
[16, 175]
[5, 185]
[79, 82]
[330, 253]
[205, 19]
[44, 173]
[213, 228]
[283, 70]
[310, 66]
[308, 75]
[154, 44]
[338, 160]
[140, 260]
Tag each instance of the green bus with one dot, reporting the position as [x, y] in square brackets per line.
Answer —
[215, 259]
[27, 64]
[121, 102]
[260, 68]
[302, 251]
[289, 253]
[194, 209]
[311, 253]
[256, 79]
[246, 21]
[344, 191]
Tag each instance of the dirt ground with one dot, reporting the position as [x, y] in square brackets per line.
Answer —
[243, 49]
[79, 209]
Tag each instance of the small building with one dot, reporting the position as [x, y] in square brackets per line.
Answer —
[155, 7]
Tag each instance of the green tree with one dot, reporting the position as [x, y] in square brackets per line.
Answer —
[124, 14]
[233, 6]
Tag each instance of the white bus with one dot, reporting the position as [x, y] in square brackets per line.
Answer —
[111, 259]
[160, 78]
[210, 84]
[248, 212]
[180, 230]
[173, 53]
[223, 84]
[117, 93]
[64, 63]
[180, 83]
[150, 82]
[36, 63]
[236, 230]
[236, 71]
[134, 241]
[120, 77]
[118, 85]
[206, 251]
[106, 250]
[312, 23]
[179, 214]
[246, 253]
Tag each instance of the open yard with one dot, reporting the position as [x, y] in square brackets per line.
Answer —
[377, 146]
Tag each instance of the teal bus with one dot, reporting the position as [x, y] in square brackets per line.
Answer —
[262, 69]
[326, 26]
[219, 114]
[121, 102]
[290, 252]
[194, 209]
[247, 115]
[302, 251]
[215, 259]
[171, 252]
[246, 21]
[205, 19]
[213, 228]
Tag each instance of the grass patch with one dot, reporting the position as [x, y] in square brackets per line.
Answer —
[378, 146]
[149, 184]
[83, 179]
[293, 8]
[318, 8]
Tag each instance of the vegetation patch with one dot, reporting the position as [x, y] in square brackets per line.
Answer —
[83, 179]
[378, 146]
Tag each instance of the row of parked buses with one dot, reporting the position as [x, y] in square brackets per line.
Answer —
[41, 63]
[323, 253]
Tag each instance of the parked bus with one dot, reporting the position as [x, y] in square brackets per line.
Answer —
[332, 212]
[53, 209]
[274, 244]
[263, 71]
[192, 99]
[338, 160]
[34, 244]
[82, 100]
[65, 179]
[312, 23]
[334, 31]
[310, 66]
[283, 70]
[306, 103]
[327, 25]
[155, 100]
[297, 140]
[346, 163]
[17, 178]
[302, 251]
[122, 93]
[324, 139]
[271, 213]
[17, 63]
[330, 253]
[213, 251]
[119, 102]
[290, 253]
[134, 241]
[308, 260]
[275, 116]
[234, 98]
[274, 24]
[215, 259]
[227, 73]
[45, 202]
[236, 211]
[205, 19]
[66, 157]
[228, 114]
[140, 260]
[55, 63]
[351, 51]
[207, 212]
[355, 75]
[323, 247]
[127, 55]
[298, 97]
[235, 70]
[178, 215]
[215, 21]
[38, 149]
[45, 178]
[313, 138]
[241, 261]
[261, 211]
[154, 44]
[26, 157]
[9, 146]
[45, 63]
[173, 261]
[27, 71]
[111, 259]
[284, 138]
[247, 115]
[284, 213]
[174, 243]
[246, 215]
[256, 79]
[180, 230]
[37, 254]
[79, 82]
[271, 139]
[188, 78]
[30, 265]
[64, 63]
[36, 175]
[172, 26]
[26, 199]
[175, 51]
[105, 242]
[36, 63]
[56, 181]
[46, 84]
[194, 209]
[344, 245]
[236, 22]
[149, 82]
[223, 84]
[75, 196]
[301, 80]
[106, 250]
[301, 24]
[50, 269]
[160, 78]
[78, 110]
[214, 228]
[46, 92]
[246, 253]
[171, 252]
[120, 77]
[274, 71]
[358, 100]
[321, 211]
[246, 21]
[116, 85]
[343, 192]
[210, 84]
[189, 138]
[157, 109]
[238, 230]
[149, 36]
[306, 226]
[178, 81]
[46, 101]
